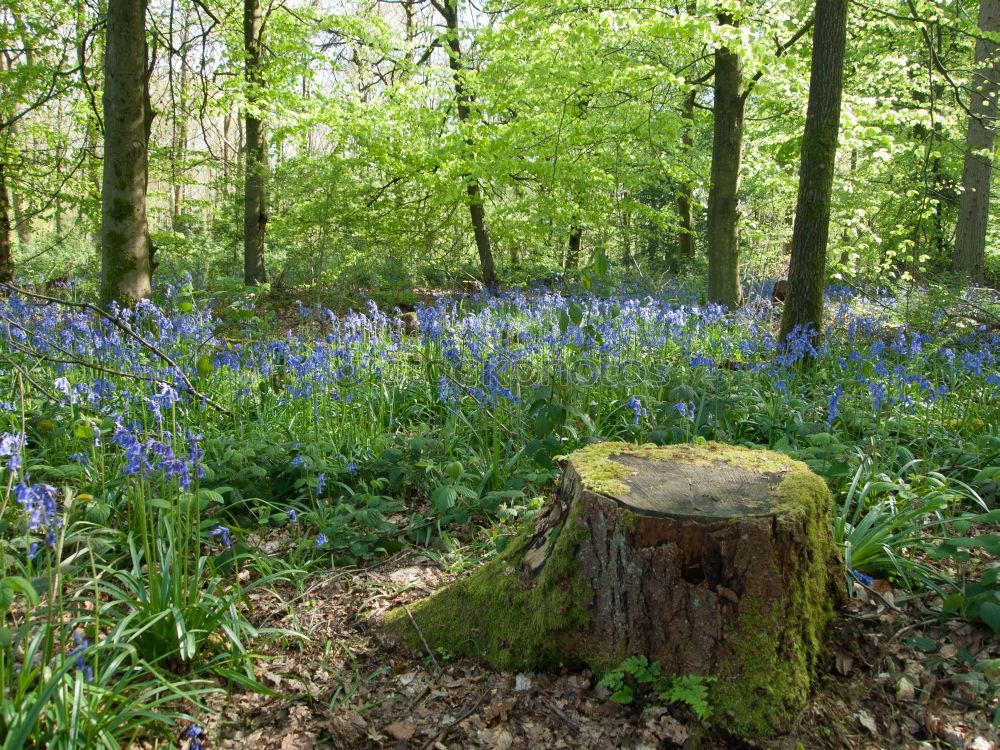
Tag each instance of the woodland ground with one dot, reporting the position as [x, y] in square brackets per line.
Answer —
[895, 680]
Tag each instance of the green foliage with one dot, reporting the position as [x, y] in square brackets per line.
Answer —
[636, 680]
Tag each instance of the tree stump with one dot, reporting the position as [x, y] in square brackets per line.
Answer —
[712, 560]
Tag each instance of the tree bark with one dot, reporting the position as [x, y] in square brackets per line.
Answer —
[685, 197]
[711, 560]
[254, 207]
[449, 11]
[179, 138]
[810, 233]
[974, 201]
[6, 252]
[573, 250]
[724, 286]
[126, 262]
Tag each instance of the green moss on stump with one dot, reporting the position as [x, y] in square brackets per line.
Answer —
[504, 616]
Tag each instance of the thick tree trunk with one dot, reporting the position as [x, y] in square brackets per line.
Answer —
[449, 11]
[807, 268]
[685, 197]
[974, 202]
[724, 285]
[711, 560]
[126, 262]
[6, 252]
[254, 208]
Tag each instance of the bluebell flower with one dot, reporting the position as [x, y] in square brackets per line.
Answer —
[352, 467]
[11, 445]
[685, 409]
[293, 516]
[862, 578]
[39, 503]
[833, 409]
[78, 652]
[320, 483]
[637, 409]
[321, 540]
[224, 534]
[195, 734]
[298, 461]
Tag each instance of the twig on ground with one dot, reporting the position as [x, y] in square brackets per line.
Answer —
[423, 640]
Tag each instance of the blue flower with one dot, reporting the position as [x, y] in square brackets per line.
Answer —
[321, 540]
[195, 734]
[11, 445]
[832, 409]
[862, 578]
[223, 533]
[320, 483]
[353, 468]
[637, 409]
[39, 503]
[685, 409]
[78, 652]
[293, 517]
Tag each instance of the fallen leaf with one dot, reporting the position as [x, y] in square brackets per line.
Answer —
[866, 720]
[904, 689]
[401, 730]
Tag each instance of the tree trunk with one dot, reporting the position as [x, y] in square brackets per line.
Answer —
[22, 222]
[449, 11]
[724, 286]
[573, 251]
[685, 198]
[126, 262]
[178, 149]
[711, 560]
[807, 268]
[6, 252]
[974, 202]
[254, 208]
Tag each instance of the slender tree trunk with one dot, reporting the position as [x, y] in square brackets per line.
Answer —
[126, 262]
[974, 202]
[573, 251]
[685, 198]
[449, 10]
[807, 268]
[254, 207]
[178, 149]
[22, 214]
[723, 196]
[6, 252]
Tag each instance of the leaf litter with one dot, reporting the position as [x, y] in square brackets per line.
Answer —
[898, 676]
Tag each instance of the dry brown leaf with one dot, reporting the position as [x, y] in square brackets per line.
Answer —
[401, 730]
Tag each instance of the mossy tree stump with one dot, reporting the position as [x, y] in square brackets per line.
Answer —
[711, 559]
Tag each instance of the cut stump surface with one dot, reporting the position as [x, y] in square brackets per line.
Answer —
[710, 559]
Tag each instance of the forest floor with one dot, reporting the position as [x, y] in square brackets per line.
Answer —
[898, 678]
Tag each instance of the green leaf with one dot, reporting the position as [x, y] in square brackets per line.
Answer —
[922, 644]
[443, 498]
[989, 613]
[205, 366]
